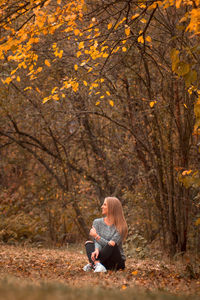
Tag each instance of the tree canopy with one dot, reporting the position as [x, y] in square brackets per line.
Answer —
[105, 96]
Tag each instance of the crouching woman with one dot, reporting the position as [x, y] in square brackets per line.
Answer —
[105, 252]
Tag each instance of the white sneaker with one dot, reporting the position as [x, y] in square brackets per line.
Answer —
[87, 268]
[99, 268]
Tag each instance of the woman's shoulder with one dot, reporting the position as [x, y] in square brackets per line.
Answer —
[98, 221]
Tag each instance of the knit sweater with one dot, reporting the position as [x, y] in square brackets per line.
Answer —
[107, 233]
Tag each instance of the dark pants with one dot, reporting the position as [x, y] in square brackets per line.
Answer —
[109, 256]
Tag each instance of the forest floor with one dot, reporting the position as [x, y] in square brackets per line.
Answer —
[64, 266]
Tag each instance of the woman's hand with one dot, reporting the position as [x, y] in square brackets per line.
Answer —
[111, 243]
[93, 232]
[95, 254]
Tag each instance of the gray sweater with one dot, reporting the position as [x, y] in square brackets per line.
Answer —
[107, 233]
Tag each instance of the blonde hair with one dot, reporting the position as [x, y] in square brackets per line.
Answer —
[116, 215]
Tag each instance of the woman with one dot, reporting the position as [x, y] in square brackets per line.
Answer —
[106, 252]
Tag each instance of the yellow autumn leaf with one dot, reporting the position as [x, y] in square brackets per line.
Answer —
[141, 39]
[28, 88]
[110, 26]
[134, 16]
[148, 39]
[75, 67]
[93, 85]
[97, 103]
[32, 77]
[123, 287]
[54, 89]
[45, 100]
[183, 19]
[186, 172]
[47, 63]
[117, 25]
[85, 83]
[55, 97]
[39, 69]
[60, 54]
[178, 3]
[115, 50]
[78, 53]
[127, 31]
[102, 97]
[108, 93]
[75, 86]
[143, 20]
[31, 68]
[13, 71]
[185, 105]
[134, 272]
[124, 49]
[76, 31]
[81, 45]
[197, 222]
[152, 103]
[111, 103]
[18, 79]
[7, 80]
[152, 6]
[83, 63]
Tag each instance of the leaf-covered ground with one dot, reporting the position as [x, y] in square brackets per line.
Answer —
[65, 266]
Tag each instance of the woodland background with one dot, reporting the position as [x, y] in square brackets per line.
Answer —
[100, 98]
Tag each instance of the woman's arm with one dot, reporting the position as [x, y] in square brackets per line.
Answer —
[116, 237]
[103, 242]
[95, 254]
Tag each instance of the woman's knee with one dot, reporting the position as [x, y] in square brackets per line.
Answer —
[89, 242]
[89, 245]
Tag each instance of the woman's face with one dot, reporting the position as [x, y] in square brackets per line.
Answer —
[104, 208]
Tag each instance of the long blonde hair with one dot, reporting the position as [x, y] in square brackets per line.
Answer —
[116, 215]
